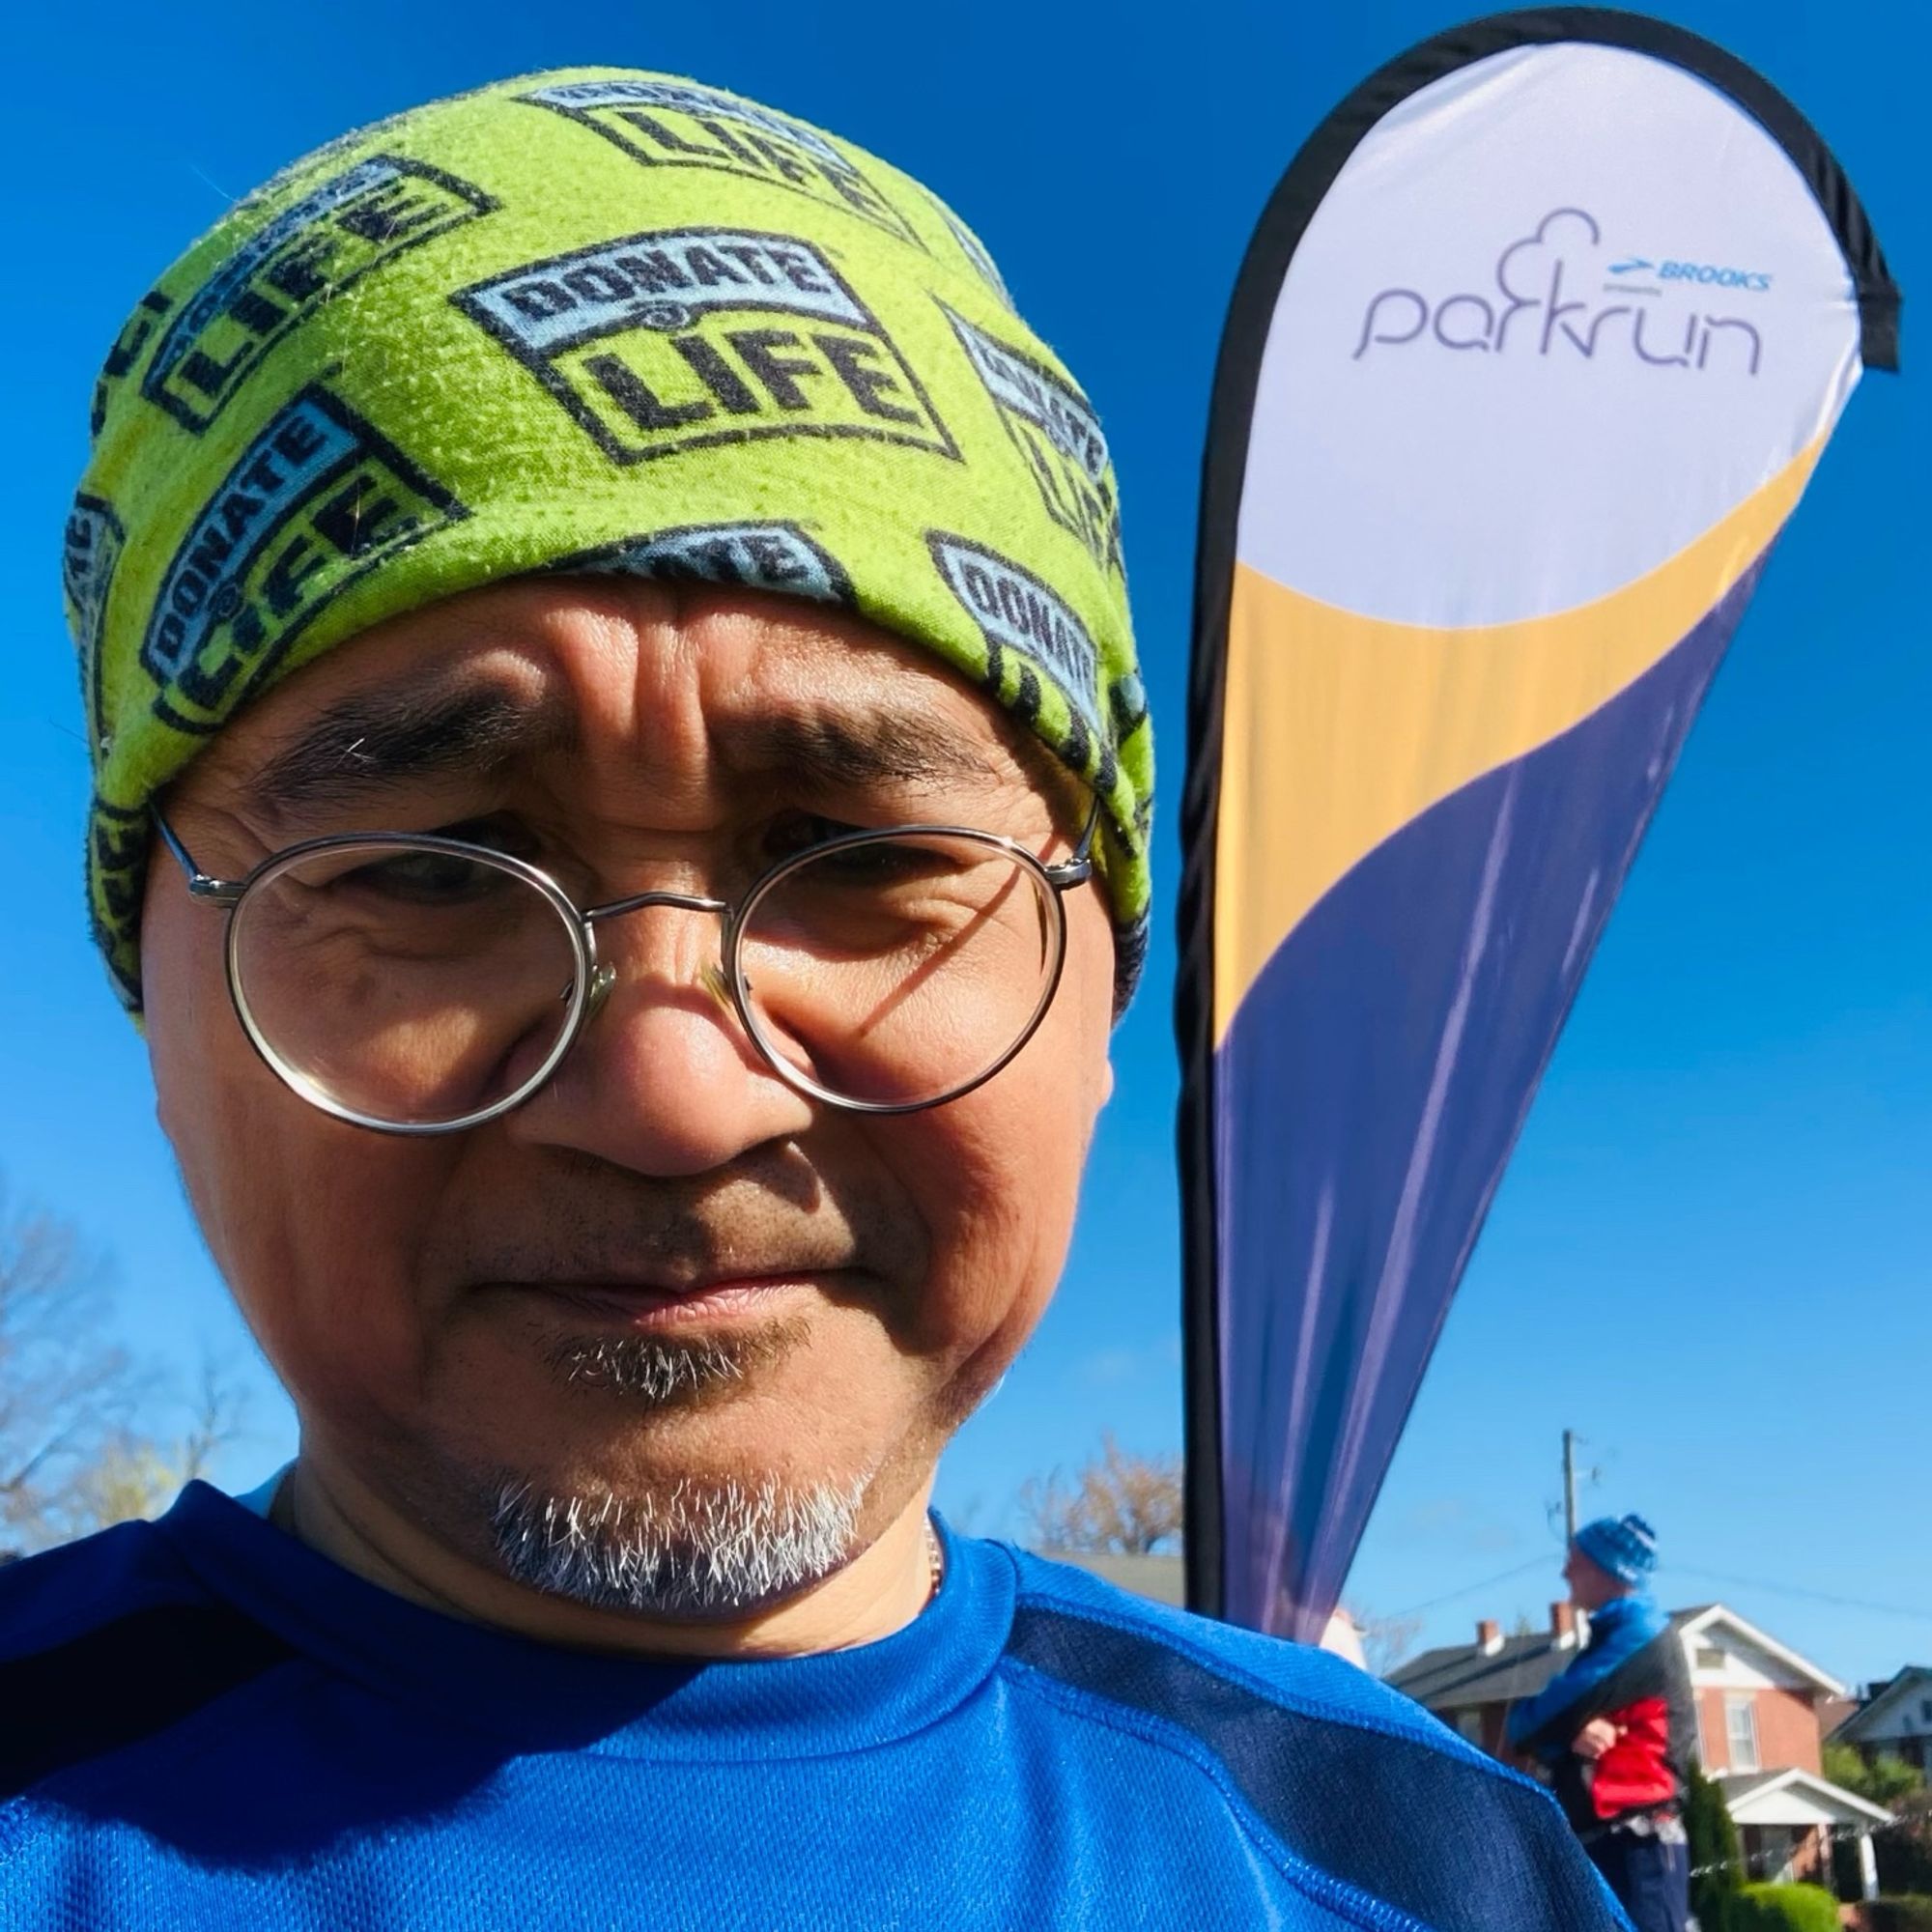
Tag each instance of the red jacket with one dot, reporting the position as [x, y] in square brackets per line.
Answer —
[1632, 1673]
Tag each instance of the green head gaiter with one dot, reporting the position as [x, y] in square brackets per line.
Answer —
[593, 318]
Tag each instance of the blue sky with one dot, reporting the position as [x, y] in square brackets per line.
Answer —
[1713, 1255]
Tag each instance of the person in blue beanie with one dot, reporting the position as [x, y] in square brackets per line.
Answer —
[1616, 1729]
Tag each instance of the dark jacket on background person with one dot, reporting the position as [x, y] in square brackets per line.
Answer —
[1633, 1672]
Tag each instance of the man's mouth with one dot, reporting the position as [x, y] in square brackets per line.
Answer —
[644, 1305]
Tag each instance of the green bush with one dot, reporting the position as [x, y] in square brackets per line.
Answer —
[1884, 1781]
[1714, 1853]
[1782, 1908]
[1910, 1912]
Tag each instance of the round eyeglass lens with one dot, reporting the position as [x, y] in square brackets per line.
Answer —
[898, 970]
[409, 985]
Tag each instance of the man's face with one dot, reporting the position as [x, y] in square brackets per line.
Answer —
[1591, 1585]
[668, 1274]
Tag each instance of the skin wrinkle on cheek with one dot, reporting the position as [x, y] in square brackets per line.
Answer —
[343, 1248]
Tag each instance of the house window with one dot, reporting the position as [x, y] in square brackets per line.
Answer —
[1925, 1709]
[1741, 1732]
[1709, 1657]
[1470, 1724]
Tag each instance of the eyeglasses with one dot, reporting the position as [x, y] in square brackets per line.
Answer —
[420, 985]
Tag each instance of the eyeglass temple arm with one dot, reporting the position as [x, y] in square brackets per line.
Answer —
[214, 891]
[1078, 870]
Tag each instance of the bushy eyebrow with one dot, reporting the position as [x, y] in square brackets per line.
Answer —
[382, 740]
[831, 752]
[374, 741]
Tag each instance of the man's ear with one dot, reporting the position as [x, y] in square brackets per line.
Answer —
[1107, 1082]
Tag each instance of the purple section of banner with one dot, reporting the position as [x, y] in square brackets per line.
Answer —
[1368, 1094]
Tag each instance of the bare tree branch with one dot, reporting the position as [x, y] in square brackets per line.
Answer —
[220, 1417]
[73, 1453]
[1116, 1502]
[1385, 1640]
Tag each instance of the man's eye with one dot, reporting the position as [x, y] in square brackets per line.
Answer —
[799, 831]
[497, 833]
[427, 879]
[882, 864]
[877, 861]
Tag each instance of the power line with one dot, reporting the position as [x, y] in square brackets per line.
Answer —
[1470, 1590]
[1921, 1615]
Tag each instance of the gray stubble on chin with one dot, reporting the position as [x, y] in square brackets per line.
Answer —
[696, 1549]
[693, 1549]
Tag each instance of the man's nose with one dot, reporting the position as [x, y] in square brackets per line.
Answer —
[664, 1078]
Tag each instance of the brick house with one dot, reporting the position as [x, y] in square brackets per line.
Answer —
[1758, 1726]
[1892, 1719]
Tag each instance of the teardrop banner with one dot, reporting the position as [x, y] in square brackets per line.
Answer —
[1533, 351]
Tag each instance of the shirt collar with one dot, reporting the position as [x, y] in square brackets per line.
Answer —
[553, 1698]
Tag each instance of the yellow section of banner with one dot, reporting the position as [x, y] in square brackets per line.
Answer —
[1368, 723]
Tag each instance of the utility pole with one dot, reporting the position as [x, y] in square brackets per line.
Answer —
[1569, 1487]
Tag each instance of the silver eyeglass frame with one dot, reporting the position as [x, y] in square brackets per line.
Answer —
[594, 980]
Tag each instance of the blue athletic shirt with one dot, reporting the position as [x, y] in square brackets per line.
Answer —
[205, 1724]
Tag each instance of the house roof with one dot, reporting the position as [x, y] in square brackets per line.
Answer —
[1751, 1797]
[1161, 1578]
[1460, 1675]
[1743, 1785]
[1913, 1678]
[1833, 1713]
[1693, 1623]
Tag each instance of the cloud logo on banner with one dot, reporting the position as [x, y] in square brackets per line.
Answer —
[1544, 303]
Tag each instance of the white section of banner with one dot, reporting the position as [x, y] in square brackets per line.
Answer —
[1559, 313]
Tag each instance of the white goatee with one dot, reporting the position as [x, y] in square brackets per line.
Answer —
[698, 1549]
